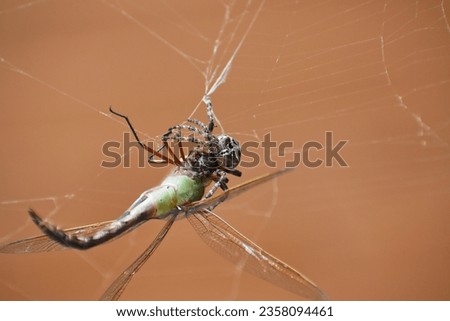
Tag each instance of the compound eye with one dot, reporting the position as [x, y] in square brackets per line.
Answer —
[230, 151]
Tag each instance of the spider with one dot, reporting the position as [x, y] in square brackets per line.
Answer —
[211, 157]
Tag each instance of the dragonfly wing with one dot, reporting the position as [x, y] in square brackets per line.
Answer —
[234, 246]
[212, 202]
[43, 243]
[118, 286]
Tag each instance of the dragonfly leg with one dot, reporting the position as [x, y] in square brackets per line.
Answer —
[164, 158]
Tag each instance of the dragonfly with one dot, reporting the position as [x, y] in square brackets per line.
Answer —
[182, 194]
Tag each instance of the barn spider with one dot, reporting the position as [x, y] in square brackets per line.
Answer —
[212, 156]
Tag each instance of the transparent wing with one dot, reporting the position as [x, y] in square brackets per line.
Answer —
[234, 246]
[43, 243]
[212, 202]
[118, 286]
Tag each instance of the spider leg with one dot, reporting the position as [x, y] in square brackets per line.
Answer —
[209, 111]
[234, 172]
[170, 133]
[174, 134]
[198, 123]
[220, 182]
[178, 139]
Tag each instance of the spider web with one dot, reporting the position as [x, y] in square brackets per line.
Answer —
[375, 73]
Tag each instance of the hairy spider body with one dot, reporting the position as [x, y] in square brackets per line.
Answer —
[211, 157]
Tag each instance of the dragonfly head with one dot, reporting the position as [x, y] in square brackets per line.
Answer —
[229, 151]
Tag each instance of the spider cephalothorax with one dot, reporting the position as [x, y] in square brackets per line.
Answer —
[220, 153]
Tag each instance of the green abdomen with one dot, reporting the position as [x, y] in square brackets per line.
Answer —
[176, 190]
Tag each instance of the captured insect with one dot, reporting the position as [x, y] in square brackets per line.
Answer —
[182, 193]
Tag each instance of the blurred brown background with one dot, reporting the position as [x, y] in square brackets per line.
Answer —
[375, 73]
